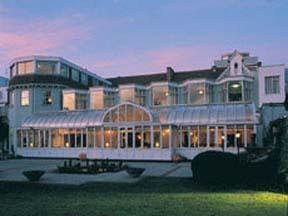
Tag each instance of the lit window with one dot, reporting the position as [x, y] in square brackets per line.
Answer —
[235, 91]
[69, 101]
[272, 85]
[25, 67]
[47, 97]
[25, 98]
[160, 95]
[46, 67]
[1, 95]
[127, 94]
[197, 93]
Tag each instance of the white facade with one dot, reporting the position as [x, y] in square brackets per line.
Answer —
[271, 71]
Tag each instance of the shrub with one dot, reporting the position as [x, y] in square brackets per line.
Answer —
[214, 167]
[134, 172]
[33, 175]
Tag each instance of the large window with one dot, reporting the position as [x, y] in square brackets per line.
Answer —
[72, 100]
[248, 90]
[97, 100]
[235, 91]
[272, 85]
[160, 95]
[81, 101]
[126, 94]
[46, 67]
[197, 93]
[68, 101]
[140, 97]
[25, 97]
[110, 98]
[25, 67]
[127, 113]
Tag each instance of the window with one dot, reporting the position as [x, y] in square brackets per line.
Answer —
[127, 94]
[272, 85]
[140, 97]
[235, 91]
[96, 99]
[173, 95]
[1, 95]
[81, 101]
[46, 67]
[25, 67]
[25, 98]
[13, 70]
[69, 101]
[75, 75]
[248, 90]
[64, 71]
[160, 95]
[84, 79]
[197, 93]
[47, 96]
[109, 98]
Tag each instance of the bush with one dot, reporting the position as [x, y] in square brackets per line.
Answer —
[135, 172]
[214, 167]
[33, 175]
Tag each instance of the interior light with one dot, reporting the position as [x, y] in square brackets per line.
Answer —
[201, 92]
[67, 144]
[31, 144]
[223, 137]
[157, 144]
[139, 137]
[167, 94]
[238, 135]
[107, 144]
[191, 133]
[235, 85]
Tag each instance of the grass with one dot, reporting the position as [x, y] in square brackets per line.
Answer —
[152, 196]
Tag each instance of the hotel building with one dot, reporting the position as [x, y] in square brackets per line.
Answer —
[60, 110]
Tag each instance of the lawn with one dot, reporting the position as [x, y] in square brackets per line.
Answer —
[152, 196]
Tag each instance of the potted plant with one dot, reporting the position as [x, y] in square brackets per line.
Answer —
[33, 175]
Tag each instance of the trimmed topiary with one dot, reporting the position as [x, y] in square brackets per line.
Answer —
[33, 175]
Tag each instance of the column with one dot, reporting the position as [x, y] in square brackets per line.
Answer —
[170, 137]
[102, 137]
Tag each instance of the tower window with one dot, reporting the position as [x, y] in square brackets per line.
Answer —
[25, 97]
[47, 97]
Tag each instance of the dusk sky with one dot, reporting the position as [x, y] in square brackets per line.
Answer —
[122, 37]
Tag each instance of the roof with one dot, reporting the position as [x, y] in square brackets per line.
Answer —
[178, 77]
[208, 114]
[176, 115]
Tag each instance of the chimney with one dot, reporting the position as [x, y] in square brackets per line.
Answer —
[170, 74]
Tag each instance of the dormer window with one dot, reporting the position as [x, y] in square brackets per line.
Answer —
[236, 66]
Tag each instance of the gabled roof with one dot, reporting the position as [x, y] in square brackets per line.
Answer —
[178, 77]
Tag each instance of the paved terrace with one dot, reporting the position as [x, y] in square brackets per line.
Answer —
[11, 170]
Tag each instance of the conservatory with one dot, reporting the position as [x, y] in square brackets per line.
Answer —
[129, 131]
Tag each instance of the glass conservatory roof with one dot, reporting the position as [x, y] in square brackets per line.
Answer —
[176, 115]
[208, 114]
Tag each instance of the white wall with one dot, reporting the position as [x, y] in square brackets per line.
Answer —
[273, 70]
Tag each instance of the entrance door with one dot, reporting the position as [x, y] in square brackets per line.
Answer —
[126, 137]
